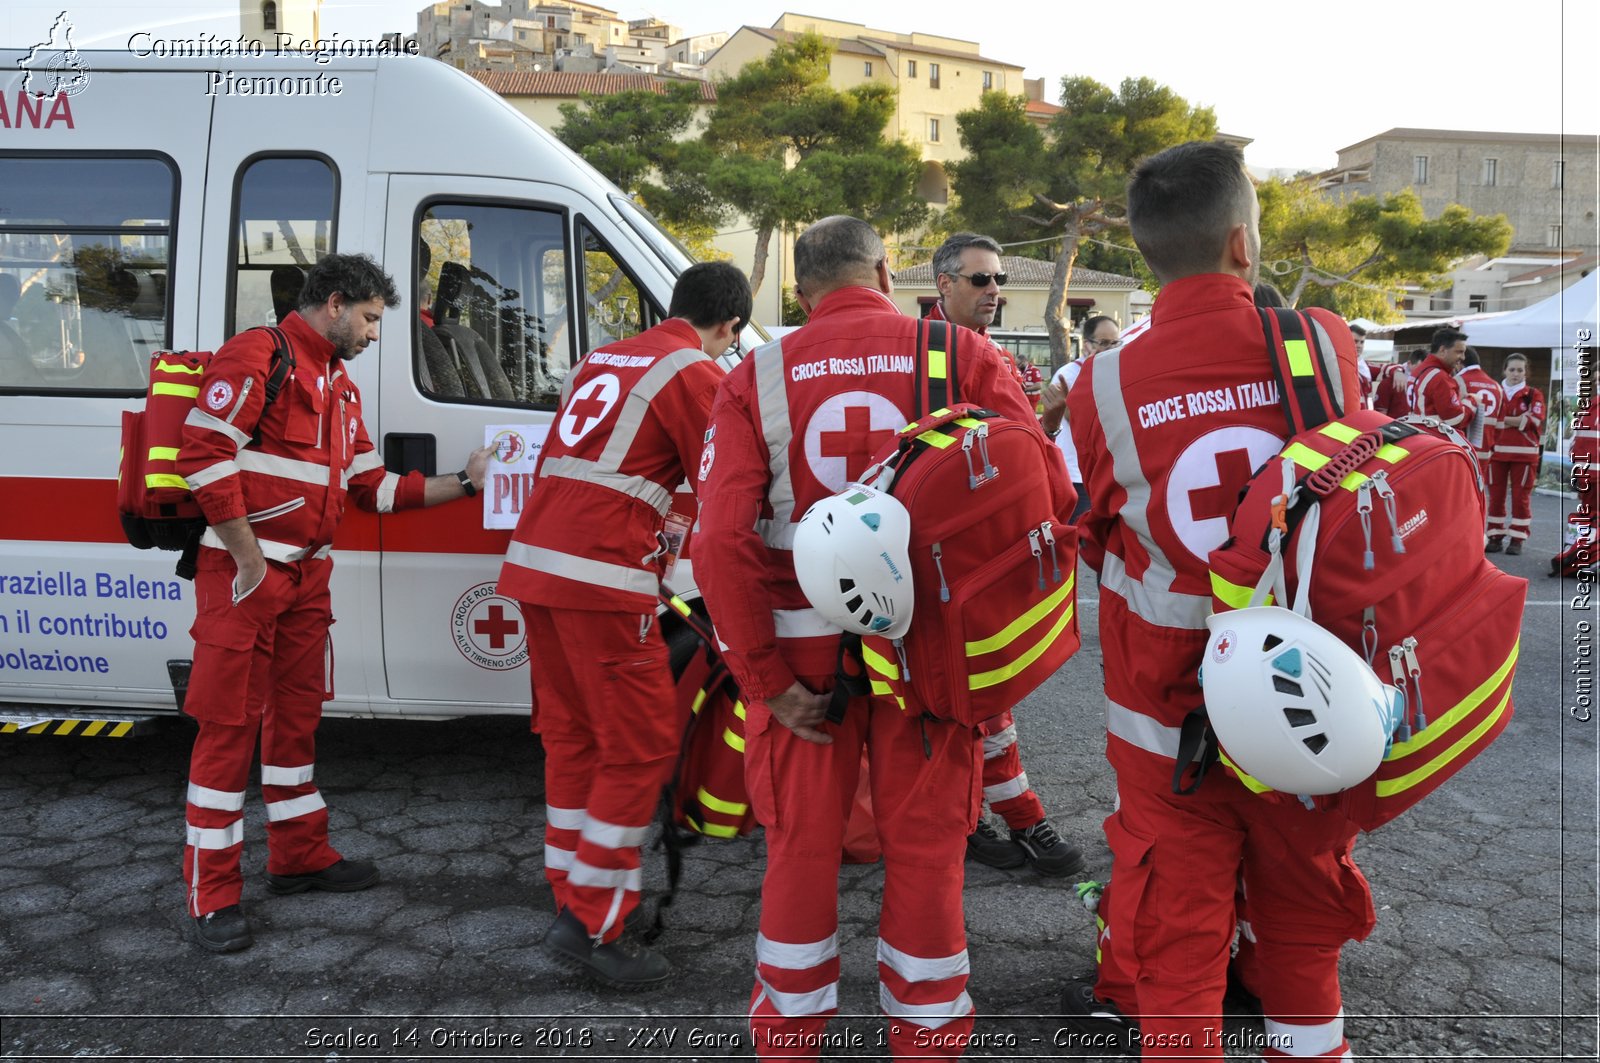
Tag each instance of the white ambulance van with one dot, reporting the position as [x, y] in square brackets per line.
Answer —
[158, 203]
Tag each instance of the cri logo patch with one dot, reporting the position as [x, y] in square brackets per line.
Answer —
[1223, 648]
[219, 394]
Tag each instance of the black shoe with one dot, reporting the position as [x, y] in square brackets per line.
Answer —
[987, 847]
[1494, 546]
[620, 964]
[1100, 1025]
[1048, 852]
[347, 876]
[1237, 1001]
[224, 930]
[1514, 547]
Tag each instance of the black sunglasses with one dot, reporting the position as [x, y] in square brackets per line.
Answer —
[981, 280]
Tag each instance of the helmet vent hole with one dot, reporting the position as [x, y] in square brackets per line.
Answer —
[1316, 743]
[846, 585]
[866, 617]
[853, 604]
[1271, 641]
[1287, 686]
[1299, 717]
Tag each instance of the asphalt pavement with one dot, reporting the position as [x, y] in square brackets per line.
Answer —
[1486, 945]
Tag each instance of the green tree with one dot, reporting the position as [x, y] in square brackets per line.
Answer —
[632, 136]
[1355, 257]
[783, 148]
[1068, 183]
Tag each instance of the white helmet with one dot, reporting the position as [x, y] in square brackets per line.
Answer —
[850, 556]
[1292, 705]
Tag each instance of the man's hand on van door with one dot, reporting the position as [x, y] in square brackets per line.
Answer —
[802, 712]
[478, 465]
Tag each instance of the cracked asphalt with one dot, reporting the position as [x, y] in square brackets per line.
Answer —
[1486, 943]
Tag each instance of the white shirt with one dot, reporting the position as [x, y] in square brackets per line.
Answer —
[1065, 377]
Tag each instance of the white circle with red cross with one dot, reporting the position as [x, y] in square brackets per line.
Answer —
[219, 394]
[488, 630]
[1203, 487]
[588, 406]
[845, 432]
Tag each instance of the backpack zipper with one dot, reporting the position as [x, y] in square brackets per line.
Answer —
[1397, 670]
[1038, 554]
[1364, 512]
[938, 563]
[1055, 563]
[1380, 484]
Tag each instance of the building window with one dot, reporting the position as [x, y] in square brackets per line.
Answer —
[1553, 236]
[269, 15]
[866, 68]
[1491, 172]
[1477, 304]
[988, 80]
[1558, 174]
[933, 130]
[911, 68]
[1419, 169]
[933, 75]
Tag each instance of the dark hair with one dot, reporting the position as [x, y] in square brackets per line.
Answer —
[1086, 330]
[1472, 356]
[356, 277]
[1183, 203]
[1267, 294]
[948, 258]
[710, 293]
[1357, 330]
[835, 251]
[1417, 355]
[1516, 356]
[1445, 337]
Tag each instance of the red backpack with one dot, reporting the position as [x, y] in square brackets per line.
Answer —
[154, 503]
[1377, 526]
[993, 567]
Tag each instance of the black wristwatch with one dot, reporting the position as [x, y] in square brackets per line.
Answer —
[466, 484]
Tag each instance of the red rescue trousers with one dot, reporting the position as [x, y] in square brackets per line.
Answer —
[925, 778]
[1515, 478]
[261, 667]
[1005, 784]
[1176, 864]
[611, 722]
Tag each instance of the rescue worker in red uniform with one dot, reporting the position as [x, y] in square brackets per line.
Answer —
[273, 481]
[629, 430]
[967, 270]
[1363, 370]
[1166, 438]
[1434, 390]
[1585, 483]
[1485, 420]
[792, 424]
[1514, 465]
[1389, 390]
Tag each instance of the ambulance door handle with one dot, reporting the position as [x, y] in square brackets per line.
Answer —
[405, 452]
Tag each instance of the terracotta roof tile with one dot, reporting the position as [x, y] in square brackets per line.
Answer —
[569, 84]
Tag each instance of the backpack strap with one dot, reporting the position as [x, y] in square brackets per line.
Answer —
[937, 385]
[281, 365]
[1299, 364]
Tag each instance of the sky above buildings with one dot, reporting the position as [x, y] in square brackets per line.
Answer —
[1301, 79]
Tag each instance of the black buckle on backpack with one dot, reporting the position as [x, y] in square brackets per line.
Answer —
[849, 677]
[1196, 746]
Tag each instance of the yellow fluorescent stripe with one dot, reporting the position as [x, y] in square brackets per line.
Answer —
[1232, 595]
[165, 479]
[68, 727]
[1008, 634]
[165, 366]
[936, 365]
[1000, 675]
[677, 603]
[1390, 787]
[188, 391]
[876, 662]
[1438, 726]
[1391, 453]
[163, 453]
[738, 709]
[1353, 481]
[1342, 432]
[880, 687]
[715, 830]
[122, 729]
[732, 739]
[1251, 783]
[968, 422]
[1299, 357]
[699, 700]
[941, 411]
[935, 438]
[94, 728]
[1304, 456]
[8, 728]
[38, 728]
[717, 804]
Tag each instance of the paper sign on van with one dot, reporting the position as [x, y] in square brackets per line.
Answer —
[509, 482]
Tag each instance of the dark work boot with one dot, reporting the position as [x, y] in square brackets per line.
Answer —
[620, 964]
[1048, 852]
[1514, 547]
[1494, 546]
[1095, 1026]
[347, 876]
[987, 847]
[224, 930]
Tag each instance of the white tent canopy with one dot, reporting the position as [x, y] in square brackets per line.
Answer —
[1557, 321]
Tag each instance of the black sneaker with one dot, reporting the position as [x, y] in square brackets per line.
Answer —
[1513, 548]
[1494, 546]
[1048, 852]
[620, 964]
[987, 847]
[224, 930]
[347, 876]
[1099, 1024]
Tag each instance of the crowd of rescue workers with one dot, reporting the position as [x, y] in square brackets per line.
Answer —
[857, 745]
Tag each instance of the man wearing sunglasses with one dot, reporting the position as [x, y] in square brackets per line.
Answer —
[967, 270]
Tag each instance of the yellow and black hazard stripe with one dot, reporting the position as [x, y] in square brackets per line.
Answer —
[79, 726]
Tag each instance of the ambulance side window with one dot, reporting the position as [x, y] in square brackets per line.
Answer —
[85, 256]
[284, 220]
[613, 303]
[494, 322]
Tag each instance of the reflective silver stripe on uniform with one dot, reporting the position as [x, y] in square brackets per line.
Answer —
[1313, 1039]
[201, 419]
[365, 463]
[583, 569]
[306, 472]
[931, 1016]
[215, 837]
[564, 818]
[791, 1004]
[221, 800]
[212, 473]
[796, 956]
[1005, 791]
[1500, 448]
[1146, 732]
[559, 859]
[1330, 361]
[1150, 600]
[295, 807]
[270, 549]
[772, 395]
[999, 742]
[612, 836]
[922, 969]
[645, 490]
[803, 624]
[582, 874]
[386, 492]
[274, 775]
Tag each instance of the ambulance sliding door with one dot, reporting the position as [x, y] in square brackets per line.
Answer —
[491, 338]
